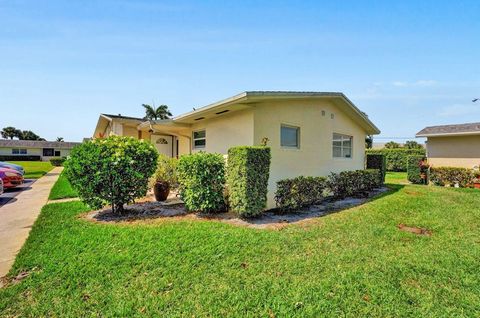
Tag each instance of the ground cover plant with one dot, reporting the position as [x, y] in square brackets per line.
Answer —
[34, 169]
[62, 189]
[354, 263]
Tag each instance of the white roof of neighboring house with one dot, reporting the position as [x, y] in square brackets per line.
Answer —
[9, 143]
[450, 130]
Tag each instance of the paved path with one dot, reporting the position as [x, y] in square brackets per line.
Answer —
[18, 214]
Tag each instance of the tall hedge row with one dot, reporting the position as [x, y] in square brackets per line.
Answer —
[248, 170]
[414, 169]
[378, 162]
[397, 158]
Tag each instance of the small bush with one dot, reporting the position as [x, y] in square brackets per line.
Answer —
[417, 170]
[354, 183]
[248, 170]
[57, 162]
[379, 162]
[299, 192]
[112, 171]
[397, 158]
[166, 171]
[202, 181]
[20, 158]
[442, 176]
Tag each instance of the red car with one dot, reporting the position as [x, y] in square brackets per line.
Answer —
[11, 178]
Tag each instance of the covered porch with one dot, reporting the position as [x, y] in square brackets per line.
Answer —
[171, 139]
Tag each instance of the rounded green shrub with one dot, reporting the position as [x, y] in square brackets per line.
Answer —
[202, 182]
[111, 171]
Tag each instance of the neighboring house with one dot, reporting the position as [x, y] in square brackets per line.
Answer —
[309, 133]
[33, 149]
[453, 145]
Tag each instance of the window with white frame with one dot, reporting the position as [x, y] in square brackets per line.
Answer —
[342, 146]
[19, 151]
[289, 136]
[199, 139]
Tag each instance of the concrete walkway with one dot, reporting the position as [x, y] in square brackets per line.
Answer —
[17, 217]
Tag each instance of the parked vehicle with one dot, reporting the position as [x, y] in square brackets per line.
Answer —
[11, 178]
[12, 166]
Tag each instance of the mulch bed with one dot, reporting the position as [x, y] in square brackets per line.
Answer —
[173, 209]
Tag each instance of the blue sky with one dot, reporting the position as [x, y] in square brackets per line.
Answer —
[408, 64]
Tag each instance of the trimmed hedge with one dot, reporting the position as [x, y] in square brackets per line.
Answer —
[57, 162]
[442, 176]
[20, 158]
[299, 192]
[296, 193]
[248, 170]
[414, 169]
[202, 181]
[379, 162]
[114, 171]
[397, 159]
[354, 183]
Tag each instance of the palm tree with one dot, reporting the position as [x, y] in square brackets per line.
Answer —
[155, 113]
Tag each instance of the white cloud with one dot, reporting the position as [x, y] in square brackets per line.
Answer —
[460, 110]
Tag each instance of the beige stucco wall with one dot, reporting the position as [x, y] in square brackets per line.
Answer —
[314, 157]
[228, 130]
[130, 131]
[459, 151]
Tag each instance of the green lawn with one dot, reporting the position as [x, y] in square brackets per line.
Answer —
[353, 263]
[34, 169]
[396, 178]
[62, 189]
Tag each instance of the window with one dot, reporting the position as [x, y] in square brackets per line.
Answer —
[57, 153]
[289, 136]
[342, 146]
[199, 139]
[48, 152]
[19, 151]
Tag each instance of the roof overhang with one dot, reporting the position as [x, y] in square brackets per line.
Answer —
[248, 99]
[458, 134]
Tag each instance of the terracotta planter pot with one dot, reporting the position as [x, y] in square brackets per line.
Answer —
[161, 189]
[476, 185]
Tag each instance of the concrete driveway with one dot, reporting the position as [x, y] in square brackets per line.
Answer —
[18, 211]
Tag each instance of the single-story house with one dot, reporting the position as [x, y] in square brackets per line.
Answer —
[453, 145]
[310, 133]
[12, 149]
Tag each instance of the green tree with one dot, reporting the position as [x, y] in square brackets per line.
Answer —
[29, 135]
[392, 145]
[369, 142]
[10, 132]
[412, 144]
[155, 113]
[60, 139]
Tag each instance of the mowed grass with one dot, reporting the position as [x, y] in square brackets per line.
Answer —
[396, 177]
[355, 263]
[34, 169]
[62, 189]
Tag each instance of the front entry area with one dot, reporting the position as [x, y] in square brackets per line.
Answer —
[164, 144]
